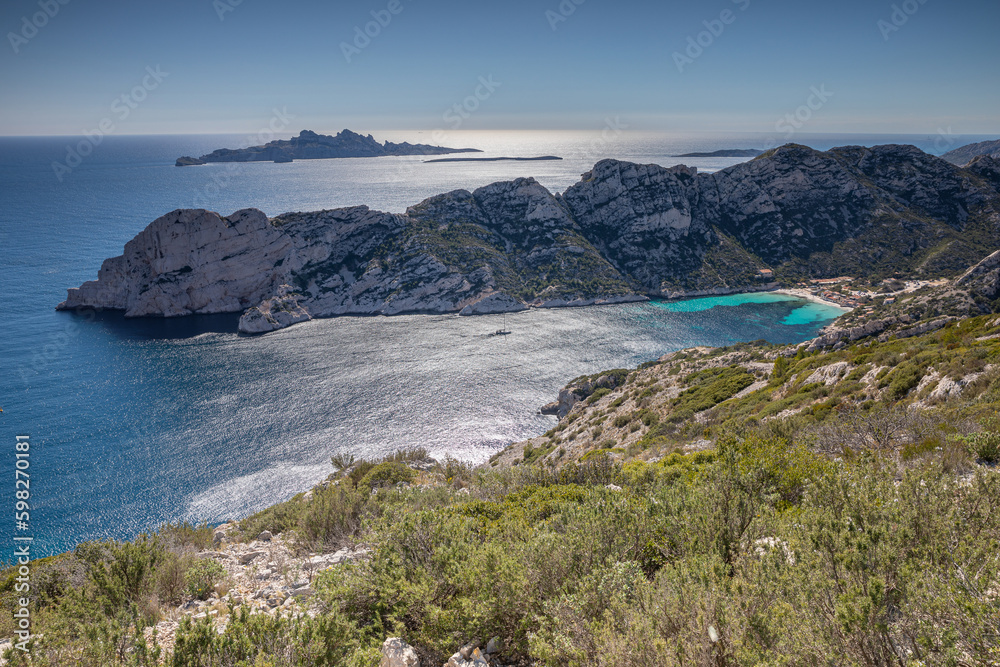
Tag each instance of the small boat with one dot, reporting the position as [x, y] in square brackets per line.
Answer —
[503, 331]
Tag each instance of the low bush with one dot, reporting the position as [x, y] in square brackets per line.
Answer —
[983, 446]
[201, 577]
[388, 473]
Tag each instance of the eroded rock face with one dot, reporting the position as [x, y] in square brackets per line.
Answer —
[983, 279]
[642, 218]
[793, 203]
[191, 261]
[624, 232]
[274, 313]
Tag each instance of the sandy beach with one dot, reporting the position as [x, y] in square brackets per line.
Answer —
[803, 293]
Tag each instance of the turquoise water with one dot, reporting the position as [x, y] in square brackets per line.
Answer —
[137, 422]
[807, 313]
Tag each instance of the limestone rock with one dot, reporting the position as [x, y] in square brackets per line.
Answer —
[250, 556]
[964, 154]
[191, 261]
[397, 653]
[624, 232]
[274, 313]
[497, 302]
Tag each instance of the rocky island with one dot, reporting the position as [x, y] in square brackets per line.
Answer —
[624, 232]
[312, 146]
[726, 152]
[494, 159]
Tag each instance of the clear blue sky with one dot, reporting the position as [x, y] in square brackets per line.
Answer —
[608, 57]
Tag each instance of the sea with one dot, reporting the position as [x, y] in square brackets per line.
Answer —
[134, 423]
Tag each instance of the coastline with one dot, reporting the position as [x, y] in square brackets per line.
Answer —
[809, 296]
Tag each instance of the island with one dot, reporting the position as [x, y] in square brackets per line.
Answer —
[312, 146]
[494, 159]
[726, 152]
[623, 232]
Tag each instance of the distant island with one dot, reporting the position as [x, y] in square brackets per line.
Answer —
[726, 152]
[493, 159]
[312, 146]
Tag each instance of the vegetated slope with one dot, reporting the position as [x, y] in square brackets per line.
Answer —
[917, 350]
[746, 505]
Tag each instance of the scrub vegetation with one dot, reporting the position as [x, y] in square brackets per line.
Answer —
[751, 505]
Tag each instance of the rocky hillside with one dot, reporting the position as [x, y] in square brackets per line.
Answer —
[687, 400]
[741, 506]
[965, 154]
[624, 232]
[311, 146]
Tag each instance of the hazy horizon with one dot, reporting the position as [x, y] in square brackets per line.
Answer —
[233, 66]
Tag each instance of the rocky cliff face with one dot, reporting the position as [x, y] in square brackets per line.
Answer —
[191, 261]
[624, 232]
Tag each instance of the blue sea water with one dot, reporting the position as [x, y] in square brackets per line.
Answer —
[138, 422]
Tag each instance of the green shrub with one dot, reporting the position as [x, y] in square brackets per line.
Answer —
[202, 576]
[328, 640]
[389, 473]
[598, 394]
[983, 446]
[711, 387]
[171, 583]
[333, 518]
[182, 534]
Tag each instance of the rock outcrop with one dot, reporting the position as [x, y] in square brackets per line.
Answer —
[983, 279]
[625, 232]
[397, 653]
[192, 261]
[311, 146]
[964, 154]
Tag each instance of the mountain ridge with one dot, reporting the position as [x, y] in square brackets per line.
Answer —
[623, 232]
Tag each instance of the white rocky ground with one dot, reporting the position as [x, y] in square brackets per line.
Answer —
[264, 575]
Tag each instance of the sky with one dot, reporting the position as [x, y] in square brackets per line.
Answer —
[213, 66]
